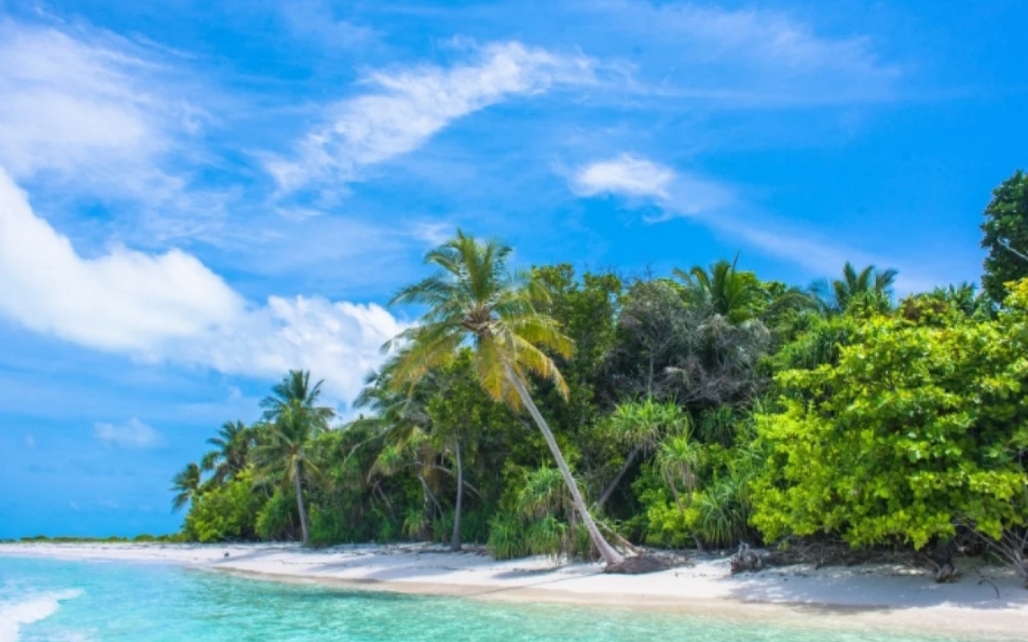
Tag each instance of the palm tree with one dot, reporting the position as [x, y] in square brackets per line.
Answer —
[870, 287]
[293, 421]
[186, 484]
[474, 299]
[642, 426]
[231, 453]
[734, 294]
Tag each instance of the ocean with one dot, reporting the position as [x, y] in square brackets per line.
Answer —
[65, 601]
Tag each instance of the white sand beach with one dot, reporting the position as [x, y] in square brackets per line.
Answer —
[984, 602]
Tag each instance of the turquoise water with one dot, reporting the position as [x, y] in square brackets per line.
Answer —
[54, 601]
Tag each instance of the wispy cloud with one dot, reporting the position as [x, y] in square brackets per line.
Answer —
[316, 18]
[132, 434]
[78, 100]
[170, 307]
[407, 106]
[752, 56]
[94, 114]
[682, 195]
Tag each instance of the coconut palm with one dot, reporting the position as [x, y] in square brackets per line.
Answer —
[293, 419]
[186, 485]
[735, 294]
[231, 453]
[870, 286]
[475, 300]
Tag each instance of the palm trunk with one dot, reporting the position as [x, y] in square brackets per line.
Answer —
[455, 540]
[607, 552]
[612, 486]
[300, 507]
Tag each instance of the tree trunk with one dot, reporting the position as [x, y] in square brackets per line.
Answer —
[455, 540]
[607, 552]
[612, 486]
[300, 507]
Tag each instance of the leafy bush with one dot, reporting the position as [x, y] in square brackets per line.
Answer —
[915, 430]
[226, 512]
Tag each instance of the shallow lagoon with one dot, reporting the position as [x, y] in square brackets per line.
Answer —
[50, 600]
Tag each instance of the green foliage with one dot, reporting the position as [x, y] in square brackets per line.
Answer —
[276, 520]
[916, 429]
[703, 412]
[226, 513]
[1005, 235]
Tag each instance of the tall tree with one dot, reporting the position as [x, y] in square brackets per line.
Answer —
[293, 419]
[1006, 235]
[474, 299]
[186, 485]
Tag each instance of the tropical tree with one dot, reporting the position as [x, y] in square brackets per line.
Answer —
[186, 486]
[869, 287]
[292, 421]
[737, 295]
[642, 425]
[232, 449]
[475, 300]
[734, 294]
[1005, 235]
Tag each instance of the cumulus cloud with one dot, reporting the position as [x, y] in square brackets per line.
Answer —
[407, 106]
[170, 307]
[132, 434]
[121, 300]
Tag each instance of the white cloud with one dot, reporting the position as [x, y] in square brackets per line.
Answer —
[632, 176]
[82, 103]
[132, 434]
[94, 114]
[409, 105]
[171, 307]
[626, 174]
[122, 300]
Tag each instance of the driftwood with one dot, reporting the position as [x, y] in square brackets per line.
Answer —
[639, 564]
[747, 560]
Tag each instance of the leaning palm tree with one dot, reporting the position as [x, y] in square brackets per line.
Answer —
[231, 452]
[293, 419]
[186, 485]
[475, 300]
[869, 286]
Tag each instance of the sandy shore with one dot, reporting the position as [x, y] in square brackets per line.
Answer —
[860, 597]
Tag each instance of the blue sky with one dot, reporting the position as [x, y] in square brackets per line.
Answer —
[197, 196]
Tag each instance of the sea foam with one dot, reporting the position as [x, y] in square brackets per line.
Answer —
[32, 608]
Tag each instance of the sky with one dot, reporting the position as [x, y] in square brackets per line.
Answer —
[197, 196]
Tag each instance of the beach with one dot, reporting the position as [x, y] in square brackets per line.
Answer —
[984, 603]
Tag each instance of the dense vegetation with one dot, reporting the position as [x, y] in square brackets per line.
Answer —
[551, 413]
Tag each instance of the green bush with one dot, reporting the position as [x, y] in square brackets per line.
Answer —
[225, 513]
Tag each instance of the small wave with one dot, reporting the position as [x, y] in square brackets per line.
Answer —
[30, 609]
